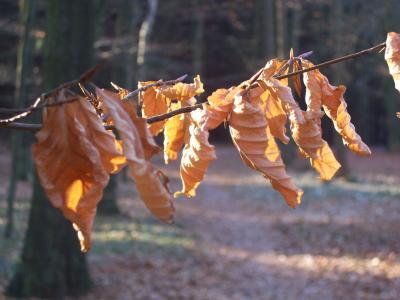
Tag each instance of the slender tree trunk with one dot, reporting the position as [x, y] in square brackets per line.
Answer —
[125, 43]
[144, 34]
[130, 64]
[281, 29]
[108, 204]
[269, 38]
[52, 265]
[296, 27]
[23, 82]
[337, 35]
[198, 38]
[20, 156]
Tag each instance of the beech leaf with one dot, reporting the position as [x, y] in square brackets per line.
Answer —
[198, 152]
[249, 132]
[153, 103]
[308, 137]
[74, 155]
[392, 56]
[174, 133]
[335, 107]
[151, 184]
[183, 91]
[274, 113]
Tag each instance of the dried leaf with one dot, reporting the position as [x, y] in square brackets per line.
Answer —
[183, 91]
[308, 137]
[220, 105]
[297, 78]
[274, 113]
[280, 92]
[249, 131]
[196, 157]
[392, 56]
[274, 66]
[151, 184]
[198, 153]
[157, 100]
[121, 91]
[335, 107]
[74, 155]
[153, 103]
[174, 133]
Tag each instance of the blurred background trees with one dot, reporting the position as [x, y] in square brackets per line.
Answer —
[44, 43]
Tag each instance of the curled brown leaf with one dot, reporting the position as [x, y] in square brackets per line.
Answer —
[249, 132]
[392, 56]
[335, 107]
[150, 183]
[74, 155]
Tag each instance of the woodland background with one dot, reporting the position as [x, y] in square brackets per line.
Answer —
[236, 240]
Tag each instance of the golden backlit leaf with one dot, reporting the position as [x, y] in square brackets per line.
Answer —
[272, 67]
[150, 183]
[74, 155]
[121, 91]
[149, 145]
[335, 107]
[249, 131]
[280, 92]
[274, 113]
[218, 97]
[153, 103]
[174, 133]
[220, 105]
[297, 78]
[183, 91]
[308, 137]
[157, 100]
[198, 153]
[392, 56]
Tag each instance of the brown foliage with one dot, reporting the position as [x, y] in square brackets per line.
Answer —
[74, 156]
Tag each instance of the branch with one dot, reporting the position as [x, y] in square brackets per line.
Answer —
[157, 83]
[41, 101]
[375, 49]
[175, 112]
[36, 127]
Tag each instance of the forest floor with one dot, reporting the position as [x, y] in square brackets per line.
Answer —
[238, 240]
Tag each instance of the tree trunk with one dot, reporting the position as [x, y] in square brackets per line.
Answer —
[198, 38]
[337, 36]
[52, 265]
[123, 74]
[108, 204]
[144, 34]
[281, 29]
[20, 155]
[269, 41]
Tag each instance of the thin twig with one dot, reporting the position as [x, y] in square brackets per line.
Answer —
[151, 120]
[281, 70]
[175, 112]
[41, 101]
[132, 94]
[371, 50]
[377, 48]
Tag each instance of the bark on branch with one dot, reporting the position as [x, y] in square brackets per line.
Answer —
[87, 75]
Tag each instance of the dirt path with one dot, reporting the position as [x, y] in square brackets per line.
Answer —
[342, 243]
